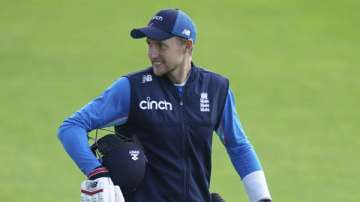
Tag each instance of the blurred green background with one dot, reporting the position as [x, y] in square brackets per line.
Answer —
[293, 66]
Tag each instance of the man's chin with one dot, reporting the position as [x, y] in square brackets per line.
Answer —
[158, 72]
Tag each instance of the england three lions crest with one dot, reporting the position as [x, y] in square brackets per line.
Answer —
[204, 102]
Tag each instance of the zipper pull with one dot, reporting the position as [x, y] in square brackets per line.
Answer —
[181, 103]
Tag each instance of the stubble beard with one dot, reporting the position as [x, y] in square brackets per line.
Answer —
[163, 70]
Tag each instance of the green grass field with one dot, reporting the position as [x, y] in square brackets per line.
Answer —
[292, 65]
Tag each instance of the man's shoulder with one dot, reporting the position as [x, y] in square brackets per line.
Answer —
[144, 71]
[206, 72]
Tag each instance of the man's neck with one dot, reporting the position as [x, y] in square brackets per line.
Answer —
[180, 74]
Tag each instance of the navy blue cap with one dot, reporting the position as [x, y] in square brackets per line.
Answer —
[166, 24]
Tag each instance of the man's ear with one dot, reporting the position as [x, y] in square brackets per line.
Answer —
[189, 45]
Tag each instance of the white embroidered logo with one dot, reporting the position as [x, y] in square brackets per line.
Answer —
[158, 18]
[186, 32]
[149, 104]
[146, 78]
[204, 102]
[134, 154]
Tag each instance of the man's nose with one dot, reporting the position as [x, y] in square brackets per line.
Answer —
[153, 52]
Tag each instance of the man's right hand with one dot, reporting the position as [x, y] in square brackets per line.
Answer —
[100, 188]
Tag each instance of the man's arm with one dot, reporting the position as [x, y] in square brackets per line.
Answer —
[110, 108]
[242, 153]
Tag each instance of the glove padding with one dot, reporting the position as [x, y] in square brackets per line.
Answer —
[100, 190]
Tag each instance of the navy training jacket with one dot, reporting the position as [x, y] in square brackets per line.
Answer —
[176, 133]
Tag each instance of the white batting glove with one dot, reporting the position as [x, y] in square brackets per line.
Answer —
[100, 190]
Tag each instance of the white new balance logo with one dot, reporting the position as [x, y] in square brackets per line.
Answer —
[149, 104]
[186, 32]
[146, 78]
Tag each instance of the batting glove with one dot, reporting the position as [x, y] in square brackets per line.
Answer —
[100, 188]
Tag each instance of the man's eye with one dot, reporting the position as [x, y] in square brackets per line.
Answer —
[163, 46]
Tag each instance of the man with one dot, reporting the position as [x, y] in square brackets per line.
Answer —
[173, 107]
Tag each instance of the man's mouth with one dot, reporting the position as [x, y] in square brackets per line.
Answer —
[156, 63]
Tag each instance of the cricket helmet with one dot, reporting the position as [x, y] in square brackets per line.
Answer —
[124, 158]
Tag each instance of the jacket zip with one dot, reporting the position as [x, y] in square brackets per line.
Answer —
[184, 140]
[181, 103]
[184, 144]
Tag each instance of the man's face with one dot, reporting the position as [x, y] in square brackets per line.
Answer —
[167, 55]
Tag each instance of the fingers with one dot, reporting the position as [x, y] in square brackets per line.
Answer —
[118, 194]
[99, 190]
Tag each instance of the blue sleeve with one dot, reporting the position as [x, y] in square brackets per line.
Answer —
[232, 135]
[110, 108]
